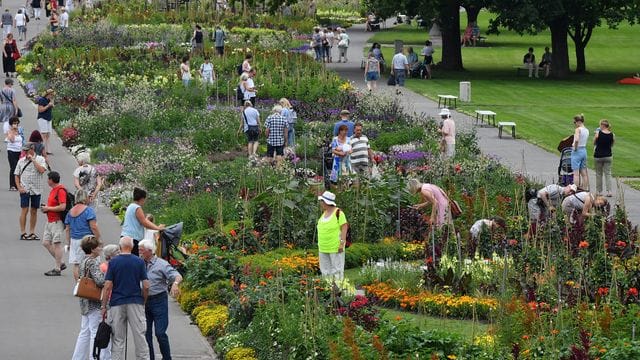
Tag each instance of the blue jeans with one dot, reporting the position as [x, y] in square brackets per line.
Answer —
[399, 74]
[318, 50]
[291, 136]
[157, 311]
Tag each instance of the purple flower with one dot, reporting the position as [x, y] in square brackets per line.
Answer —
[410, 156]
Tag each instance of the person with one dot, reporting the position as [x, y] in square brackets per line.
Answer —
[79, 222]
[37, 139]
[7, 23]
[475, 32]
[550, 196]
[343, 45]
[340, 149]
[152, 235]
[331, 39]
[8, 104]
[371, 19]
[109, 252]
[135, 221]
[249, 87]
[185, 71]
[332, 229]
[29, 172]
[124, 293]
[54, 229]
[377, 53]
[90, 309]
[160, 275]
[325, 45]
[579, 153]
[545, 64]
[197, 40]
[276, 127]
[448, 132]
[218, 39]
[36, 5]
[54, 22]
[20, 21]
[412, 58]
[9, 51]
[316, 43]
[492, 223]
[466, 37]
[427, 52]
[14, 142]
[206, 72]
[344, 120]
[399, 69]
[64, 19]
[86, 177]
[361, 155]
[529, 61]
[581, 204]
[246, 64]
[433, 195]
[372, 71]
[290, 114]
[45, 116]
[250, 125]
[603, 141]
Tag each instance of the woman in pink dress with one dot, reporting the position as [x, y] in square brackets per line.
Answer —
[434, 195]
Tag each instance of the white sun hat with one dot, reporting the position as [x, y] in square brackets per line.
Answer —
[328, 197]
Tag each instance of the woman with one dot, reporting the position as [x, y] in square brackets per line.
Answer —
[9, 49]
[427, 52]
[579, 153]
[206, 72]
[36, 5]
[434, 195]
[89, 309]
[54, 22]
[14, 148]
[135, 221]
[412, 58]
[603, 142]
[341, 149]
[36, 138]
[197, 40]
[290, 114]
[80, 222]
[377, 53]
[86, 177]
[582, 203]
[110, 251]
[250, 125]
[343, 45]
[372, 72]
[185, 71]
[8, 103]
[316, 43]
[332, 229]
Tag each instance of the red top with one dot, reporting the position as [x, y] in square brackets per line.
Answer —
[57, 194]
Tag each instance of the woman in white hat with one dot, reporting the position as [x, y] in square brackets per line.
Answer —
[332, 236]
[433, 195]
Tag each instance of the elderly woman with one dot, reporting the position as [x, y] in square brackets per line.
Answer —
[433, 195]
[80, 222]
[89, 309]
[86, 178]
[110, 251]
[341, 150]
[332, 229]
[582, 204]
[8, 105]
[290, 114]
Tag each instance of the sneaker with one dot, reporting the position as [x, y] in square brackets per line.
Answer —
[52, 272]
[63, 266]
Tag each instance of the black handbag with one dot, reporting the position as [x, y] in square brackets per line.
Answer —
[392, 80]
[103, 337]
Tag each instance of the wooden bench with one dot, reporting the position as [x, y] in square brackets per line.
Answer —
[447, 98]
[503, 124]
[526, 70]
[491, 117]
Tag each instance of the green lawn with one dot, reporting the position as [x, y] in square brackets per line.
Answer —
[466, 329]
[543, 108]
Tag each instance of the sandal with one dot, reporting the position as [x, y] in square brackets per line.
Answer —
[24, 236]
[33, 236]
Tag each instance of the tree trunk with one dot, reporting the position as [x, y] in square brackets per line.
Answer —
[581, 64]
[450, 26]
[472, 13]
[581, 37]
[560, 48]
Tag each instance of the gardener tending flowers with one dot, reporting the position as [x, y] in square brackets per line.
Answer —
[332, 237]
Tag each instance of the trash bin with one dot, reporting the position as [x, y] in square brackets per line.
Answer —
[465, 91]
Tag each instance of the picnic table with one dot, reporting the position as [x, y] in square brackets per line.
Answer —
[447, 98]
[503, 124]
[491, 117]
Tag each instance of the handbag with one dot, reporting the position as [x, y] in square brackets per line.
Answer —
[252, 129]
[86, 287]
[102, 339]
[455, 209]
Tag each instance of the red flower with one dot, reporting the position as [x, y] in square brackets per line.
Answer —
[621, 244]
[429, 260]
[633, 292]
[533, 305]
[513, 242]
[233, 233]
[603, 291]
[457, 168]
[583, 244]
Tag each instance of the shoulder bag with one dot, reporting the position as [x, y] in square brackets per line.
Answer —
[252, 129]
[19, 113]
[86, 287]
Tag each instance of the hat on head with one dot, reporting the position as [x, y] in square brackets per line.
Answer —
[49, 92]
[445, 112]
[28, 146]
[345, 112]
[328, 198]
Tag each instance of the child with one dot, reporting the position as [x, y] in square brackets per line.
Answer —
[153, 235]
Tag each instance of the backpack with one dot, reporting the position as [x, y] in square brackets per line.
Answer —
[239, 93]
[239, 69]
[70, 201]
[348, 241]
[103, 337]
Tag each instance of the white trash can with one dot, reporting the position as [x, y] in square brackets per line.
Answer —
[465, 91]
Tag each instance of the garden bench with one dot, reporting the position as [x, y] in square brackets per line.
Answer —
[447, 98]
[503, 124]
[520, 68]
[491, 117]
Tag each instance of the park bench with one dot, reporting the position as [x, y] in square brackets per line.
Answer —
[491, 117]
[526, 69]
[448, 98]
[503, 124]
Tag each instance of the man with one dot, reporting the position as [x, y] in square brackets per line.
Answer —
[344, 120]
[64, 19]
[361, 154]
[529, 61]
[399, 69]
[160, 274]
[218, 38]
[276, 130]
[28, 175]
[448, 131]
[85, 177]
[7, 23]
[20, 22]
[545, 64]
[54, 229]
[127, 298]
[45, 104]
[36, 5]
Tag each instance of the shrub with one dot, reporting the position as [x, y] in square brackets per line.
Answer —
[241, 353]
[189, 299]
[220, 292]
[212, 320]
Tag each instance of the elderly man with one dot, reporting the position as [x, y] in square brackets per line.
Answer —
[161, 274]
[29, 174]
[361, 154]
[276, 130]
[344, 120]
[86, 177]
[127, 298]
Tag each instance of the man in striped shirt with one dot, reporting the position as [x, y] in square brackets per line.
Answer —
[361, 153]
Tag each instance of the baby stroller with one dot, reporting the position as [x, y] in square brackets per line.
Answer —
[169, 250]
[419, 71]
[565, 172]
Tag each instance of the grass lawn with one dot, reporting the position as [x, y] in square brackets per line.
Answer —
[543, 108]
[466, 329]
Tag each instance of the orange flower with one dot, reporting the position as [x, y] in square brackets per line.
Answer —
[263, 283]
[583, 244]
[555, 332]
[525, 337]
[233, 233]
[398, 318]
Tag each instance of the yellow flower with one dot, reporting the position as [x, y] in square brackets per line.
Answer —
[452, 357]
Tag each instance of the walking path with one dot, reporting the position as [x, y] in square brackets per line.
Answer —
[519, 155]
[40, 316]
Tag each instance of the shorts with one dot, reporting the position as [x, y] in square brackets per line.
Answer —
[220, 50]
[279, 150]
[373, 76]
[76, 254]
[53, 232]
[22, 29]
[27, 199]
[579, 159]
[428, 60]
[54, 28]
[45, 126]
[252, 134]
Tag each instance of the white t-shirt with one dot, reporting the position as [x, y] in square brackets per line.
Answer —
[20, 20]
[64, 19]
[15, 145]
[399, 61]
[249, 94]
[427, 51]
[207, 71]
[330, 37]
[476, 228]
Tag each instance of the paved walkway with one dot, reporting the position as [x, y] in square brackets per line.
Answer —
[519, 155]
[40, 317]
